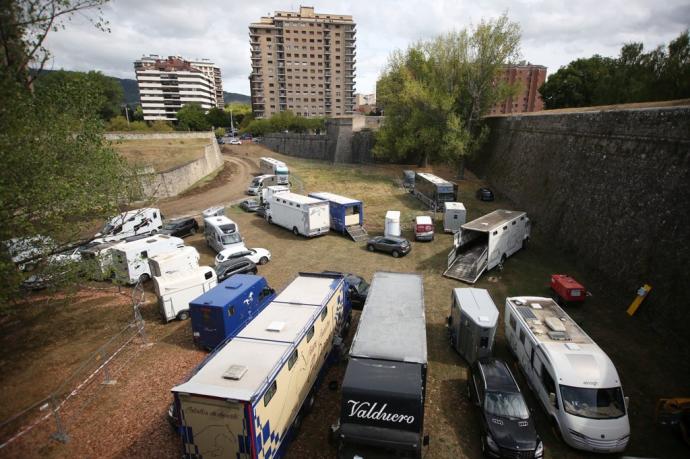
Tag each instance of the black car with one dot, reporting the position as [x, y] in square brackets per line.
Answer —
[235, 266]
[506, 426]
[261, 211]
[357, 288]
[485, 194]
[396, 246]
[250, 205]
[180, 227]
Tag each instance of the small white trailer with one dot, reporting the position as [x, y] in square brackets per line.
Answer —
[485, 243]
[300, 214]
[454, 216]
[175, 291]
[131, 223]
[131, 259]
[183, 259]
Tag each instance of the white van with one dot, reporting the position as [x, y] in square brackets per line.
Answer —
[131, 223]
[575, 381]
[274, 167]
[222, 233]
[176, 290]
[131, 259]
[183, 259]
[260, 182]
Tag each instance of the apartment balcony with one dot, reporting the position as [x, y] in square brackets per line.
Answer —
[256, 58]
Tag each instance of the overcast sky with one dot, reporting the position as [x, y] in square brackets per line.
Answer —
[554, 32]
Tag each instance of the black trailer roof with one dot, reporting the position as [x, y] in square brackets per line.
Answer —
[383, 378]
[392, 325]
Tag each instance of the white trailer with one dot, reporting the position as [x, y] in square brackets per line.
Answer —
[575, 381]
[274, 167]
[176, 290]
[300, 214]
[183, 259]
[99, 257]
[131, 223]
[454, 216]
[485, 243]
[131, 259]
[222, 233]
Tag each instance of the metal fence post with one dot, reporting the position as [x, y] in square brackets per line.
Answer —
[106, 377]
[61, 434]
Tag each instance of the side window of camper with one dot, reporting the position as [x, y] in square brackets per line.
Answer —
[511, 321]
[270, 393]
[155, 215]
[547, 381]
[513, 223]
[522, 336]
[505, 227]
[310, 334]
[208, 275]
[324, 313]
[292, 359]
[144, 254]
[495, 233]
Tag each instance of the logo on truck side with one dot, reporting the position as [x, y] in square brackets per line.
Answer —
[367, 410]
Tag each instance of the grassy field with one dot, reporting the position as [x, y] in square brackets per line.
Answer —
[162, 154]
[129, 420]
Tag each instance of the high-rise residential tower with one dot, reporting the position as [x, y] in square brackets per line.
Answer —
[303, 62]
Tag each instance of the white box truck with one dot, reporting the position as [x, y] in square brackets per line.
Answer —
[574, 380]
[175, 291]
[300, 214]
[222, 233]
[454, 216]
[131, 259]
[485, 243]
[183, 259]
[131, 223]
[271, 166]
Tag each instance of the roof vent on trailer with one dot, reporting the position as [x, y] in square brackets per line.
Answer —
[558, 335]
[235, 372]
[275, 326]
[555, 324]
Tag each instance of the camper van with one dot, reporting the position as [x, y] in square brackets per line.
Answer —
[184, 259]
[222, 233]
[248, 398]
[575, 381]
[300, 214]
[272, 166]
[260, 182]
[384, 389]
[131, 259]
[485, 243]
[176, 290]
[131, 223]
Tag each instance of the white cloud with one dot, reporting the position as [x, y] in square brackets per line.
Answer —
[553, 32]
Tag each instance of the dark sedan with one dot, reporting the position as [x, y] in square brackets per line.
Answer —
[235, 266]
[357, 288]
[396, 246]
[485, 194]
[506, 426]
[180, 227]
[250, 205]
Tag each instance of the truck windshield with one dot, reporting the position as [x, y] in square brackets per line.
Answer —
[231, 238]
[506, 404]
[256, 182]
[593, 403]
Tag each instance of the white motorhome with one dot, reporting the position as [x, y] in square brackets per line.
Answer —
[222, 233]
[183, 259]
[486, 242]
[575, 381]
[131, 259]
[300, 214]
[100, 255]
[176, 290]
[274, 167]
[131, 223]
[260, 182]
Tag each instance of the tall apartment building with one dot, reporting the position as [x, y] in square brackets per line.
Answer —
[530, 78]
[165, 85]
[303, 62]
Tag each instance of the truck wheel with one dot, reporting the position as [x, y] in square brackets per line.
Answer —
[395, 254]
[270, 220]
[309, 404]
[263, 261]
[184, 315]
[525, 243]
[370, 248]
[503, 260]
[295, 231]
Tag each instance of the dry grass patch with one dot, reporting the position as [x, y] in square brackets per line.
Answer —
[162, 154]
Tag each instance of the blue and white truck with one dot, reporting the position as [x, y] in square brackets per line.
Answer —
[346, 214]
[220, 313]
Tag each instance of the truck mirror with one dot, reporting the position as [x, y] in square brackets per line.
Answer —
[627, 402]
[552, 398]
[425, 441]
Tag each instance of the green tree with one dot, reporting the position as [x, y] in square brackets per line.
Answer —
[219, 132]
[239, 112]
[435, 94]
[217, 117]
[191, 117]
[580, 84]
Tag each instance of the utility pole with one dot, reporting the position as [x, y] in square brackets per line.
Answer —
[127, 114]
[232, 125]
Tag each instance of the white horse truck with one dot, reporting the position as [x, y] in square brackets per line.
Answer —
[575, 381]
[184, 259]
[485, 243]
[271, 166]
[300, 214]
[247, 399]
[131, 223]
[176, 290]
[131, 259]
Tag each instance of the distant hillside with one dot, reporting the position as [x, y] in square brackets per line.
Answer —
[235, 97]
[131, 89]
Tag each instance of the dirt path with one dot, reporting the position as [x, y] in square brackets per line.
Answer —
[226, 188]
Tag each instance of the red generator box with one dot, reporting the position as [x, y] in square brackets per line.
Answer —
[567, 289]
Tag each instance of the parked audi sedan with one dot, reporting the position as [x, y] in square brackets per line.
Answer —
[250, 205]
[235, 266]
[506, 426]
[396, 246]
[485, 194]
[180, 227]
